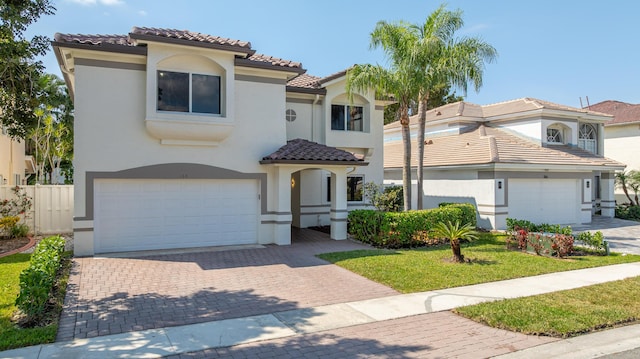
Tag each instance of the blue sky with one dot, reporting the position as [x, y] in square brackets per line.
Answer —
[557, 50]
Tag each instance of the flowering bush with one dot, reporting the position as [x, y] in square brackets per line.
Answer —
[10, 209]
[542, 239]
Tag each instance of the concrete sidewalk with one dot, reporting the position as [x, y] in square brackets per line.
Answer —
[173, 341]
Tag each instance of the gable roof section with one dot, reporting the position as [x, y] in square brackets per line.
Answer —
[487, 145]
[301, 151]
[312, 84]
[128, 44]
[623, 113]
[466, 111]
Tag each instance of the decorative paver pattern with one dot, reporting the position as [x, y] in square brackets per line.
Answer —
[435, 335]
[114, 295]
[623, 235]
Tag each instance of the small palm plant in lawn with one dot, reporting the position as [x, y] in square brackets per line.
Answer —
[454, 232]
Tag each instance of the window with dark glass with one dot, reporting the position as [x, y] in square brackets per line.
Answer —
[347, 118]
[183, 92]
[354, 188]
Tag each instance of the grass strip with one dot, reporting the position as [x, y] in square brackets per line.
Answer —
[423, 269]
[563, 314]
[14, 336]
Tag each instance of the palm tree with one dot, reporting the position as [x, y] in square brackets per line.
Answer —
[444, 61]
[454, 232]
[621, 180]
[397, 81]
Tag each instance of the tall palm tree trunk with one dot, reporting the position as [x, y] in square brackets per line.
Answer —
[406, 165]
[422, 116]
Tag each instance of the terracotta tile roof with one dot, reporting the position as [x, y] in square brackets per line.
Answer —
[486, 145]
[274, 61]
[303, 151]
[471, 111]
[188, 36]
[622, 112]
[304, 81]
[96, 40]
[182, 37]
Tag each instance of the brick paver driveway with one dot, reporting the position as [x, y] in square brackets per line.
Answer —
[623, 235]
[115, 295]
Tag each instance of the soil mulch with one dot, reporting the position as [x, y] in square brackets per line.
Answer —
[15, 245]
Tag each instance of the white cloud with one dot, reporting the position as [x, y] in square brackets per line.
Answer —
[84, 2]
[142, 13]
[112, 2]
[94, 2]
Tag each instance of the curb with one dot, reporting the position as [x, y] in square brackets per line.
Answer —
[32, 242]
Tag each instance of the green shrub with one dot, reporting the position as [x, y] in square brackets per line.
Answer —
[542, 239]
[405, 229]
[386, 199]
[593, 240]
[629, 212]
[36, 282]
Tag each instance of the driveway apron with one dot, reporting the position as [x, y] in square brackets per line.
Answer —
[623, 235]
[109, 295]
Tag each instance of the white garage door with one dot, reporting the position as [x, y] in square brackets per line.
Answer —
[553, 201]
[136, 214]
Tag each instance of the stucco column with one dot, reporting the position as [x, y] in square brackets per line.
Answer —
[282, 225]
[338, 215]
[607, 194]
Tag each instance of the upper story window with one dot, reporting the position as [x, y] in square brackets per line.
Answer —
[554, 135]
[588, 137]
[187, 92]
[347, 118]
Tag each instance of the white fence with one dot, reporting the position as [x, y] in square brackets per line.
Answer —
[52, 210]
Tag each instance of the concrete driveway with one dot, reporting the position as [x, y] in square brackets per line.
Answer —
[109, 295]
[623, 235]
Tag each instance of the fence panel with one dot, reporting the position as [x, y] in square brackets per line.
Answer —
[52, 210]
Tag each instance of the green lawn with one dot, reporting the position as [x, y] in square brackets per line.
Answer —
[563, 314]
[416, 270]
[12, 336]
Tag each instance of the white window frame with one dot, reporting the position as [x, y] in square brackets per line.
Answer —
[588, 144]
[346, 118]
[190, 88]
[556, 137]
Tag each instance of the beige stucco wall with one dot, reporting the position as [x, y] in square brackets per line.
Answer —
[622, 143]
[12, 160]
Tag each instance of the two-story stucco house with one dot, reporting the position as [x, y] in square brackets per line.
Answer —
[15, 166]
[525, 159]
[188, 140]
[621, 135]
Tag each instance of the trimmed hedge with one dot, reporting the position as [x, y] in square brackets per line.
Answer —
[405, 229]
[36, 282]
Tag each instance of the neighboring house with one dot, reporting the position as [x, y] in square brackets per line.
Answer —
[621, 135]
[525, 159]
[15, 166]
[187, 140]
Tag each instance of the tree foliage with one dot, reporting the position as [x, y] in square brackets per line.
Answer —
[19, 68]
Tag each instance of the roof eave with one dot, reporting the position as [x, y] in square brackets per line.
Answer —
[207, 45]
[318, 91]
[267, 66]
[314, 162]
[122, 49]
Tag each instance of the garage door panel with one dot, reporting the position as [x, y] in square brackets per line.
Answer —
[157, 214]
[544, 201]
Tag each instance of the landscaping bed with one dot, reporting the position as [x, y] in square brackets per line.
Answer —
[430, 268]
[18, 328]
